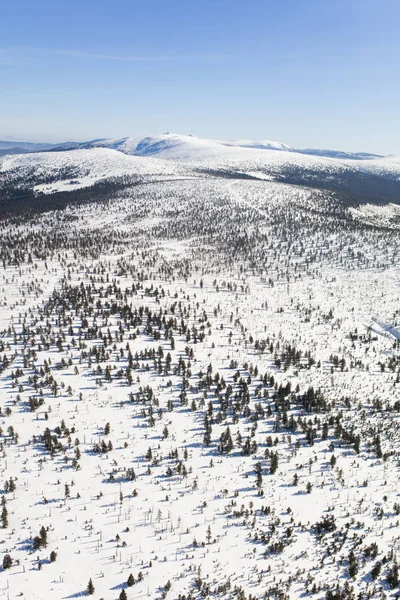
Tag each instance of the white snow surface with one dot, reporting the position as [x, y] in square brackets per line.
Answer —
[87, 167]
[101, 162]
[331, 294]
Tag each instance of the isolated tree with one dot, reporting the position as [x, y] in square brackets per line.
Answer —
[353, 564]
[274, 461]
[226, 443]
[43, 535]
[376, 571]
[4, 518]
[209, 535]
[130, 474]
[123, 595]
[7, 562]
[53, 556]
[392, 577]
[90, 587]
[207, 431]
[259, 479]
[9, 485]
[40, 541]
[131, 581]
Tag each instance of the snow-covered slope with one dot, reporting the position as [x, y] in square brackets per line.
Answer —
[183, 147]
[340, 154]
[388, 167]
[175, 146]
[262, 145]
[188, 147]
[264, 156]
[199, 376]
[179, 147]
[137, 157]
[199, 394]
[375, 181]
[56, 171]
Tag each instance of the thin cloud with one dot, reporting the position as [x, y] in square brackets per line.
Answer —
[18, 53]
[9, 57]
[95, 56]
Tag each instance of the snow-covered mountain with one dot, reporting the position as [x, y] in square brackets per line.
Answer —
[27, 146]
[175, 146]
[375, 180]
[340, 154]
[16, 147]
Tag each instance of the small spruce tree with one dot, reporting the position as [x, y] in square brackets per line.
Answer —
[4, 518]
[90, 587]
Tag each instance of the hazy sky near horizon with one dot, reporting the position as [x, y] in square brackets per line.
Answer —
[310, 73]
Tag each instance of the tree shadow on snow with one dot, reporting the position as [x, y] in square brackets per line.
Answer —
[76, 595]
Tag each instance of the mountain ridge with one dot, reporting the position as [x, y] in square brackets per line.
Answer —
[177, 147]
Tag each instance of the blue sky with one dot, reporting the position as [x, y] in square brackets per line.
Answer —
[310, 73]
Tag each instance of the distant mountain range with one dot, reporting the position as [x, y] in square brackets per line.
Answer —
[120, 163]
[173, 146]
